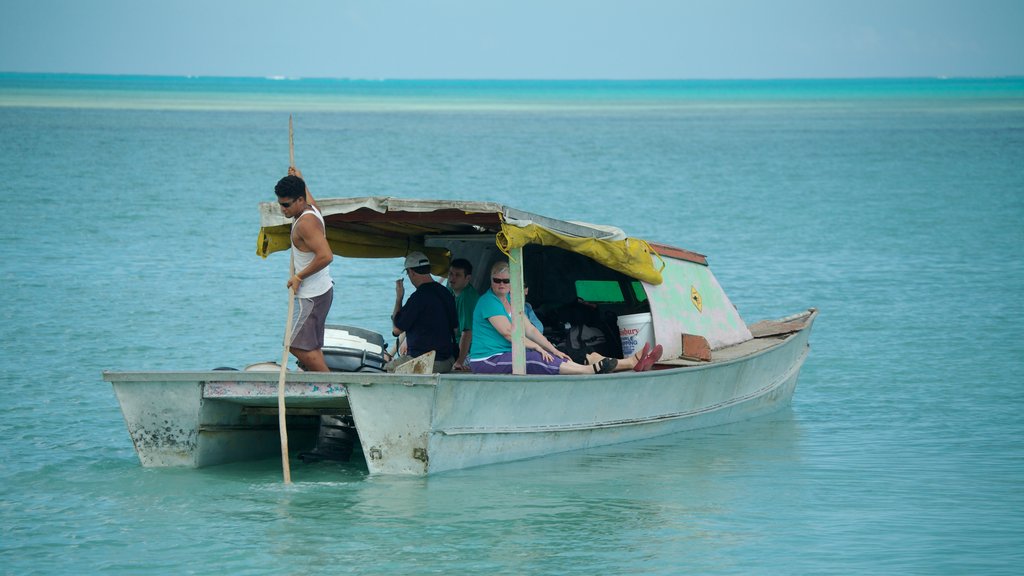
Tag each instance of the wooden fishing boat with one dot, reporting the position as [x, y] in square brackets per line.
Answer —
[715, 368]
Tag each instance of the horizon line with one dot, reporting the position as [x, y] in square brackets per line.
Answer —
[275, 77]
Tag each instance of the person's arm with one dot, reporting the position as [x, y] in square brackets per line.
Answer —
[312, 236]
[399, 296]
[464, 313]
[465, 341]
[532, 317]
[534, 335]
[504, 327]
[293, 171]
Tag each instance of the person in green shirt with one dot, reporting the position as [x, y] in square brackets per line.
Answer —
[460, 282]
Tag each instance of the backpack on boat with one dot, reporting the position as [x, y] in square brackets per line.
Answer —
[587, 329]
[581, 340]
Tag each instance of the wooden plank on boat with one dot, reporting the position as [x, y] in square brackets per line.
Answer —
[423, 364]
[695, 347]
[679, 253]
[766, 328]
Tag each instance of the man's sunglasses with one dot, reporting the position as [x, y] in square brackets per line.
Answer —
[286, 204]
[501, 280]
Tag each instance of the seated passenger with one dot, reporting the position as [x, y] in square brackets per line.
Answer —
[460, 278]
[428, 319]
[491, 351]
[528, 311]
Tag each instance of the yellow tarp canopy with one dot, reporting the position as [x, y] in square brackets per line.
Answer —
[631, 256]
[350, 244]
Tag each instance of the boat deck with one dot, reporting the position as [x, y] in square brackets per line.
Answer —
[729, 354]
[767, 333]
[327, 390]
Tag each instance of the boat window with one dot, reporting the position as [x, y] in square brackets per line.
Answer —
[600, 291]
[638, 291]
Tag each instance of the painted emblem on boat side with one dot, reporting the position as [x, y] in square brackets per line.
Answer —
[695, 298]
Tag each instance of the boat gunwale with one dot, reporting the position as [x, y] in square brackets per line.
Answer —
[371, 378]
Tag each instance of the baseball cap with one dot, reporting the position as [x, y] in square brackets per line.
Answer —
[416, 259]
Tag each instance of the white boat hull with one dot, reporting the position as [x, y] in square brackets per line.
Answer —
[424, 424]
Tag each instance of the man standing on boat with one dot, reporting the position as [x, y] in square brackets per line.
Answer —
[428, 319]
[311, 280]
[460, 277]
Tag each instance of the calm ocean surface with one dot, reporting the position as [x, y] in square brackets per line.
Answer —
[896, 207]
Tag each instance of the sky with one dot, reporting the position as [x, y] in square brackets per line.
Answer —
[516, 39]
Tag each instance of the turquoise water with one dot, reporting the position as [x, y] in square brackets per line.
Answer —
[894, 206]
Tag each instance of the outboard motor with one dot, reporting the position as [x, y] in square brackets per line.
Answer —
[334, 441]
[351, 349]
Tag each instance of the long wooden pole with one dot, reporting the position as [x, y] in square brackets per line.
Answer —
[291, 143]
[281, 419]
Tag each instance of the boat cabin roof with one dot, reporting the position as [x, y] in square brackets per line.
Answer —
[388, 227]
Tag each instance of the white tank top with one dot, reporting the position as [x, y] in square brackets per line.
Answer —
[317, 284]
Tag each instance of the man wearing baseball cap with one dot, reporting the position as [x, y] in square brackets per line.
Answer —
[428, 319]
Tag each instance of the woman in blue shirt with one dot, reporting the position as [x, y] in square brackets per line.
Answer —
[491, 350]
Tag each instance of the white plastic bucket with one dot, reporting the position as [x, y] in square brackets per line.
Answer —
[635, 330]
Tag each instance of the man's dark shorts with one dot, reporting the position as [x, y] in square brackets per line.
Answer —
[310, 320]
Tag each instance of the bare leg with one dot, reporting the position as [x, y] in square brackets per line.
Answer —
[570, 367]
[626, 363]
[312, 360]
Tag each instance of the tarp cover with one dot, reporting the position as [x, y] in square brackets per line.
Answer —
[631, 256]
[349, 244]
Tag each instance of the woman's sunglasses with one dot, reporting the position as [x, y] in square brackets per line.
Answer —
[501, 280]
